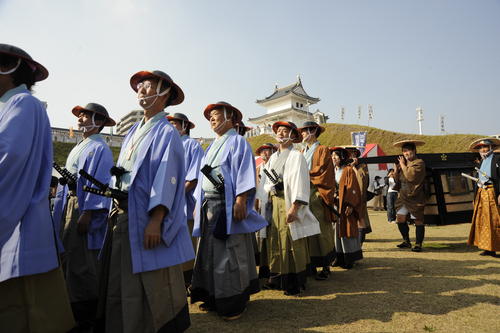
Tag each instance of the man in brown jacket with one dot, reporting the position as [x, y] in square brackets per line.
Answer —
[410, 173]
[322, 174]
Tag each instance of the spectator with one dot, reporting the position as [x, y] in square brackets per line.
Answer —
[392, 195]
[378, 187]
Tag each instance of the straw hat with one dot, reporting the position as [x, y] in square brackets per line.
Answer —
[41, 73]
[95, 108]
[312, 124]
[220, 105]
[290, 125]
[181, 117]
[474, 146]
[400, 144]
[178, 94]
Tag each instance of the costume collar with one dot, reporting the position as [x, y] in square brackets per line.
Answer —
[14, 91]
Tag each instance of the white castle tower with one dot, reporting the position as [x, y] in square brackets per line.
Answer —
[290, 103]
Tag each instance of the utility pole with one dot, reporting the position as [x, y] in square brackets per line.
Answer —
[420, 119]
[342, 113]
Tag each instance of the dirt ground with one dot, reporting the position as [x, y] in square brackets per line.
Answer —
[446, 288]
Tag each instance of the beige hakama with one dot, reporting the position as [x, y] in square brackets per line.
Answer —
[485, 228]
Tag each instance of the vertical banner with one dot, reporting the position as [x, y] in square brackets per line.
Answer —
[359, 139]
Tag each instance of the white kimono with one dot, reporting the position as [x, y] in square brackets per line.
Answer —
[296, 185]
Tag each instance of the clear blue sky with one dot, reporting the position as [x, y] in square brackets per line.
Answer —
[396, 55]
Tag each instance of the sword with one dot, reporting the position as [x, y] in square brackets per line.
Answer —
[271, 177]
[474, 179]
[104, 189]
[207, 172]
[67, 177]
[276, 179]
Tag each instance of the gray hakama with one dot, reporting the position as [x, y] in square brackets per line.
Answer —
[264, 271]
[80, 267]
[348, 249]
[153, 301]
[224, 274]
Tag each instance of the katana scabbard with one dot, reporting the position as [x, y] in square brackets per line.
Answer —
[69, 178]
[93, 180]
[207, 172]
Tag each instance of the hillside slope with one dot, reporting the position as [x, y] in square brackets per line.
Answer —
[340, 134]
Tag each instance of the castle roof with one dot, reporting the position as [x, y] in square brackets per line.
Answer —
[293, 89]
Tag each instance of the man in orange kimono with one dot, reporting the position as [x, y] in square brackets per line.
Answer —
[485, 227]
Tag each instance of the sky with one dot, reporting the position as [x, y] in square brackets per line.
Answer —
[441, 55]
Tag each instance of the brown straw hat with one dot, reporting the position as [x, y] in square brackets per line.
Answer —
[41, 73]
[178, 94]
[95, 108]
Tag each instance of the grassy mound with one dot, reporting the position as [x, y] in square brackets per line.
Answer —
[340, 134]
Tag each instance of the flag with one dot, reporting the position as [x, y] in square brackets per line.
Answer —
[359, 139]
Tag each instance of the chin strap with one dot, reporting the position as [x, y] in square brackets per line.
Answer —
[143, 100]
[309, 134]
[89, 128]
[12, 70]
[284, 140]
[223, 123]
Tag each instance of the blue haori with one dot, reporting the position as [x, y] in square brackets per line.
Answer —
[238, 170]
[160, 156]
[193, 154]
[27, 237]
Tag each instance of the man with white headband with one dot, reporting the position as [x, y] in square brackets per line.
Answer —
[485, 226]
[288, 187]
[193, 154]
[33, 294]
[84, 223]
[225, 274]
[149, 239]
[322, 198]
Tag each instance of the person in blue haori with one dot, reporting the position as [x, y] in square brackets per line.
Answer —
[86, 213]
[149, 239]
[225, 274]
[193, 154]
[33, 294]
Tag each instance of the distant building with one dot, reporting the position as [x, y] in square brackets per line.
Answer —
[63, 135]
[128, 120]
[290, 103]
